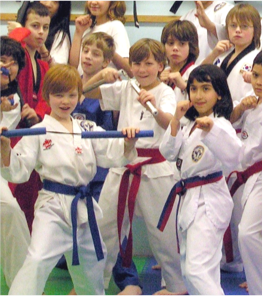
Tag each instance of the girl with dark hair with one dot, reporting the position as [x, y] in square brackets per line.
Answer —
[58, 42]
[202, 149]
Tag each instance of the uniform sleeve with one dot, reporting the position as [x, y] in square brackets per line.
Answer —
[111, 96]
[170, 146]
[11, 118]
[23, 160]
[224, 143]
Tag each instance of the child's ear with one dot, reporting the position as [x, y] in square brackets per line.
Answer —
[161, 67]
[105, 63]
[219, 98]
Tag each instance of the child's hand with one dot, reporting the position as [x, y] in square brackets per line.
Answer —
[164, 77]
[248, 103]
[6, 66]
[247, 76]
[82, 23]
[222, 46]
[30, 114]
[146, 96]
[204, 123]
[6, 104]
[13, 25]
[110, 75]
[181, 109]
[177, 80]
[130, 140]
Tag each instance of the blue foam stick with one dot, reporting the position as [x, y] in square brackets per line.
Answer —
[5, 71]
[24, 132]
[114, 134]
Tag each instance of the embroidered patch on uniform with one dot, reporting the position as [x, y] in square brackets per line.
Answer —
[79, 150]
[246, 67]
[79, 116]
[244, 135]
[219, 6]
[47, 144]
[197, 153]
[179, 162]
[87, 125]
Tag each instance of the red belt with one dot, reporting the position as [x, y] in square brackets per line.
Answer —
[242, 178]
[155, 157]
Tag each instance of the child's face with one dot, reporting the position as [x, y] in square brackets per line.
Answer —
[256, 80]
[13, 70]
[52, 6]
[177, 52]
[146, 71]
[92, 60]
[99, 8]
[203, 97]
[62, 104]
[240, 35]
[39, 27]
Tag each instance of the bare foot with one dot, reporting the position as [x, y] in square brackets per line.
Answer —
[244, 286]
[156, 267]
[131, 290]
[166, 292]
[72, 292]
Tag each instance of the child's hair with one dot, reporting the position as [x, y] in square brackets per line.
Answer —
[144, 47]
[218, 79]
[11, 47]
[59, 79]
[116, 11]
[59, 23]
[184, 31]
[258, 59]
[103, 41]
[34, 7]
[246, 14]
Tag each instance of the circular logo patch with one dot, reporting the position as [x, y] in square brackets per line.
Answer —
[244, 135]
[198, 152]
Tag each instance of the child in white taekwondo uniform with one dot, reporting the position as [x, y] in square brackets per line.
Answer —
[209, 19]
[205, 202]
[149, 172]
[66, 164]
[248, 116]
[180, 41]
[244, 30]
[15, 236]
[243, 24]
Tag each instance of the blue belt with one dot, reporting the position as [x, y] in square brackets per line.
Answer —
[180, 188]
[80, 193]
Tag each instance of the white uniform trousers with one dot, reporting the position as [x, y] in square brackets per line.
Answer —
[51, 238]
[200, 250]
[150, 200]
[237, 264]
[250, 238]
[15, 236]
